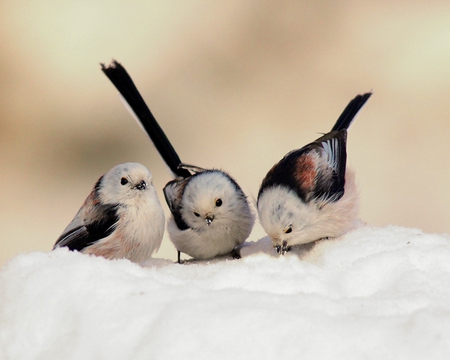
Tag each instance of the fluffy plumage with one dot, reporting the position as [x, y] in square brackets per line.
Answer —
[121, 218]
[309, 194]
[214, 213]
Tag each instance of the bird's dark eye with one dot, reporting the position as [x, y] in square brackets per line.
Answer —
[219, 202]
[124, 181]
[288, 230]
[196, 214]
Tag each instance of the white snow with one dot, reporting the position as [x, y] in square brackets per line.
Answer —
[376, 293]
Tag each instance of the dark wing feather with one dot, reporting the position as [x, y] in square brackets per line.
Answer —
[317, 170]
[126, 87]
[284, 173]
[330, 176]
[173, 192]
[97, 224]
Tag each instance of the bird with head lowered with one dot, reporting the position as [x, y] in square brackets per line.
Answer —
[310, 194]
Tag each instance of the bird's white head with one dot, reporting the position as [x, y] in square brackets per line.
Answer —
[212, 199]
[285, 217]
[125, 183]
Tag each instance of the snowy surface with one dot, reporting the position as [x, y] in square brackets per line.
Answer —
[377, 293]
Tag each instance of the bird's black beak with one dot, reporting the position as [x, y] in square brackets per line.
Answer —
[141, 186]
[209, 219]
[282, 249]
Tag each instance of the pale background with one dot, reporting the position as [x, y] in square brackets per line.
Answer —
[235, 85]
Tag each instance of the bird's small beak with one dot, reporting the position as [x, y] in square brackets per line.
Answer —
[141, 186]
[282, 249]
[209, 219]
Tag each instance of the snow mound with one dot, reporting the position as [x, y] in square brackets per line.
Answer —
[376, 293]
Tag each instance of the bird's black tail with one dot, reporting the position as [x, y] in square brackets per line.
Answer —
[350, 112]
[123, 82]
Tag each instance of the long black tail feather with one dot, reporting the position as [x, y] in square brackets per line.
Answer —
[350, 112]
[125, 85]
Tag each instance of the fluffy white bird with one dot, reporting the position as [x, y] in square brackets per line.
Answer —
[121, 218]
[210, 213]
[309, 194]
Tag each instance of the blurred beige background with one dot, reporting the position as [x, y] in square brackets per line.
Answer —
[235, 85]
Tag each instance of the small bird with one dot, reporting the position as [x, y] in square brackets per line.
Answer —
[210, 213]
[309, 194]
[121, 218]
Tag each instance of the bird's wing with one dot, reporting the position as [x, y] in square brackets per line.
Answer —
[91, 224]
[173, 192]
[193, 169]
[330, 166]
[315, 171]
